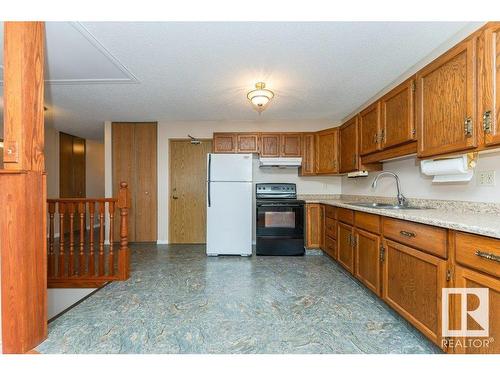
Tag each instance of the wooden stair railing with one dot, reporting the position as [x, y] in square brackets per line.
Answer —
[76, 260]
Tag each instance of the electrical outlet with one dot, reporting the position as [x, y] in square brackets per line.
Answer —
[486, 178]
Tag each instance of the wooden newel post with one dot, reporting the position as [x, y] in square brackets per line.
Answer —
[124, 252]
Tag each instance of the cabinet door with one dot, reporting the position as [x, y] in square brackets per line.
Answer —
[397, 115]
[291, 144]
[345, 243]
[445, 99]
[225, 143]
[314, 227]
[412, 284]
[369, 124]
[349, 146]
[248, 143]
[308, 155]
[327, 151]
[489, 83]
[465, 278]
[367, 256]
[270, 144]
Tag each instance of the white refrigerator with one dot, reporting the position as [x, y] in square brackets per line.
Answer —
[229, 204]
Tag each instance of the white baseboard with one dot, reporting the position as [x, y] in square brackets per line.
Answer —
[162, 242]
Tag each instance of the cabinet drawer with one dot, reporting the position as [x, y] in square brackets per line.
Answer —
[345, 215]
[478, 252]
[330, 227]
[427, 238]
[369, 222]
[331, 247]
[330, 212]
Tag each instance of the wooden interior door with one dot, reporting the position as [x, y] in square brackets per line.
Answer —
[397, 115]
[326, 151]
[188, 170]
[349, 146]
[445, 102]
[369, 124]
[146, 186]
[489, 81]
[345, 242]
[413, 281]
[465, 278]
[123, 150]
[367, 268]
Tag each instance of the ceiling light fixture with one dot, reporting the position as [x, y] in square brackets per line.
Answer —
[260, 97]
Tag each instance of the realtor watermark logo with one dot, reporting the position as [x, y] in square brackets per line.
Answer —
[480, 313]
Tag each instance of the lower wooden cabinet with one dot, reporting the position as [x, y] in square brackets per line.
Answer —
[345, 242]
[412, 283]
[466, 278]
[314, 225]
[367, 259]
[331, 247]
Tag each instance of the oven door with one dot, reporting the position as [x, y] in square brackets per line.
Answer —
[280, 220]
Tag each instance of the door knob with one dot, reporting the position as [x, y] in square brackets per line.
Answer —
[174, 197]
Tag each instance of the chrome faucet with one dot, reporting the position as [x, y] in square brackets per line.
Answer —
[402, 201]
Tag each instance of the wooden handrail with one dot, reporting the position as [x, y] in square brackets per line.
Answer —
[73, 261]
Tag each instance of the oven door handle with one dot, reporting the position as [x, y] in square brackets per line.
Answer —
[280, 205]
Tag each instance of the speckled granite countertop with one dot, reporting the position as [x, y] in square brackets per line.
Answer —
[473, 218]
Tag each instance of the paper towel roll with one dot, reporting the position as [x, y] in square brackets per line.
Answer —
[447, 170]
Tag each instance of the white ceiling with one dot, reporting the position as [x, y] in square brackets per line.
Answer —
[125, 71]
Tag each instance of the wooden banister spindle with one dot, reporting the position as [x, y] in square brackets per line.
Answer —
[71, 260]
[91, 268]
[60, 267]
[102, 210]
[51, 258]
[124, 252]
[81, 260]
[111, 260]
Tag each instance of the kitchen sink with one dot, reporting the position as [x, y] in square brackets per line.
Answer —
[387, 206]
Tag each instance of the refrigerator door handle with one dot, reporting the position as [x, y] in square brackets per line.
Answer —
[208, 180]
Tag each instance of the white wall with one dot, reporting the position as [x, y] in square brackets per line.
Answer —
[60, 299]
[416, 185]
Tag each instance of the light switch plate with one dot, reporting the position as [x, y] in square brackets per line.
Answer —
[486, 178]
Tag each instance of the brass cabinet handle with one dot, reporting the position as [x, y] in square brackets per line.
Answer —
[407, 234]
[375, 138]
[488, 256]
[487, 122]
[468, 126]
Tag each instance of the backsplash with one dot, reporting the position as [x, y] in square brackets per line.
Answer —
[416, 185]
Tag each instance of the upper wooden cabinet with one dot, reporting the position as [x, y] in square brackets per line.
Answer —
[247, 142]
[349, 146]
[291, 144]
[489, 84]
[369, 123]
[308, 155]
[224, 143]
[327, 151]
[270, 144]
[397, 115]
[445, 102]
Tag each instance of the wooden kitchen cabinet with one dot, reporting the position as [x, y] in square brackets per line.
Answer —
[349, 146]
[345, 246]
[270, 144]
[291, 144]
[327, 151]
[489, 84]
[412, 284]
[367, 259]
[445, 102]
[308, 167]
[369, 125]
[247, 143]
[397, 115]
[466, 278]
[225, 143]
[314, 225]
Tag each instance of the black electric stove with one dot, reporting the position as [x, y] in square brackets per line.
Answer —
[280, 220]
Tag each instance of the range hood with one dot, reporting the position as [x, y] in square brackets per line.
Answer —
[280, 162]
